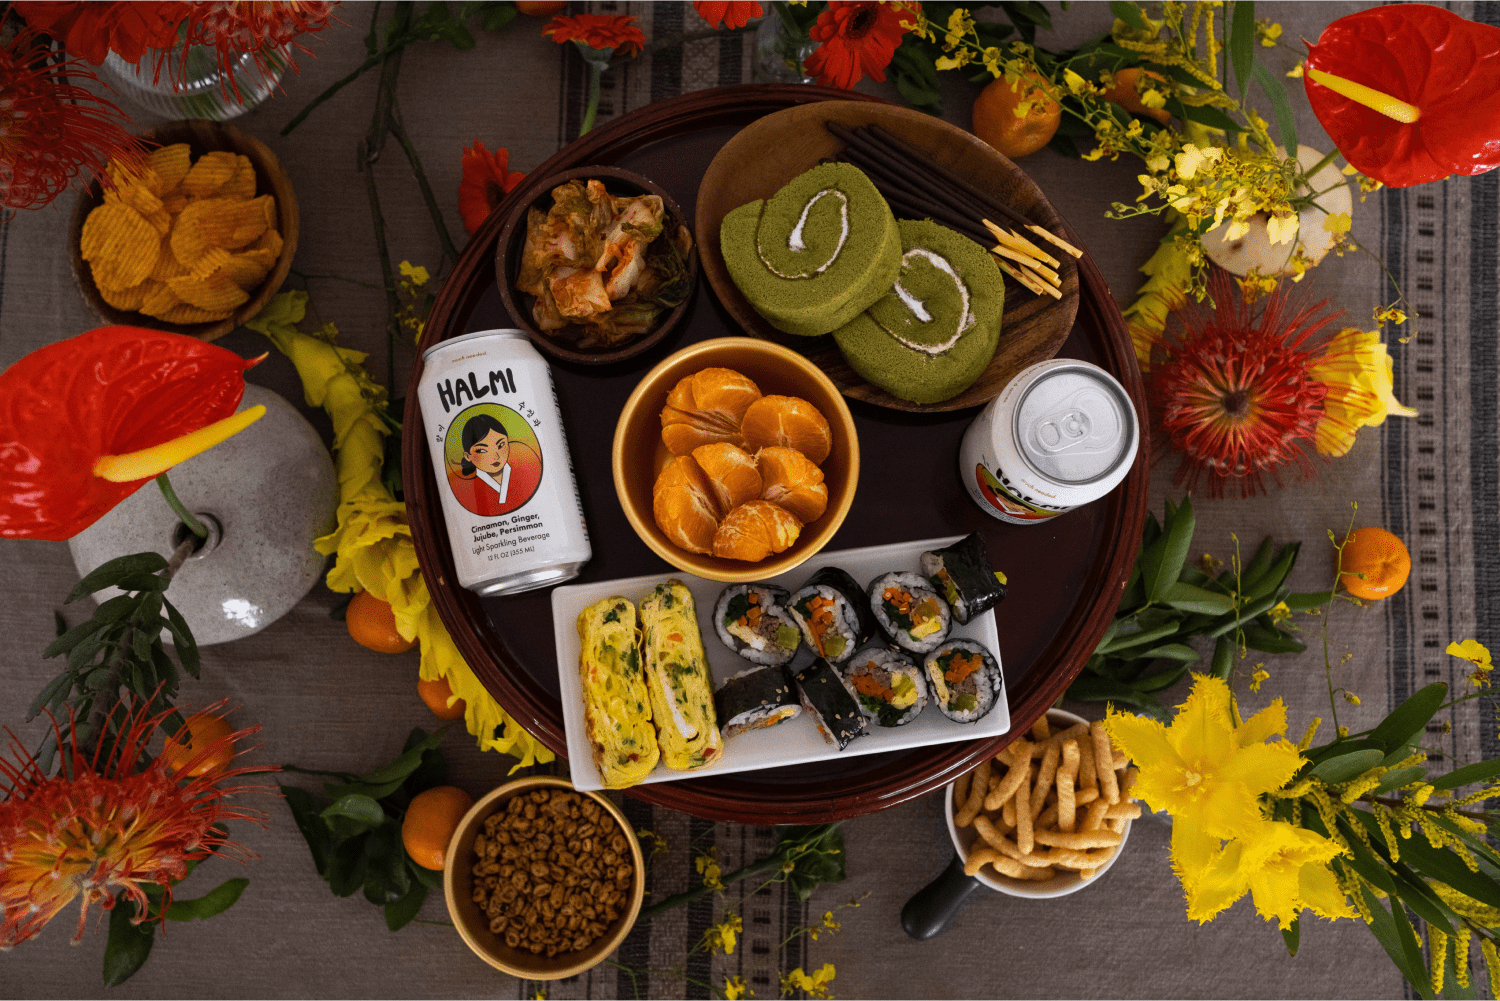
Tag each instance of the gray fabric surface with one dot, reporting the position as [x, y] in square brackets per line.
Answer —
[326, 703]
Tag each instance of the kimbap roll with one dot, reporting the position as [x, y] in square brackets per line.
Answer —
[965, 680]
[887, 684]
[961, 573]
[829, 703]
[753, 621]
[830, 609]
[911, 613]
[757, 697]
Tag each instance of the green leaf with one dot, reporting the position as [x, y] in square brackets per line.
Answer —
[1424, 903]
[215, 901]
[1275, 88]
[407, 762]
[1162, 563]
[1398, 778]
[1188, 598]
[1258, 565]
[1362, 861]
[346, 865]
[68, 641]
[338, 790]
[498, 17]
[1292, 935]
[1479, 771]
[1203, 114]
[1163, 679]
[58, 686]
[1173, 651]
[399, 914]
[1344, 767]
[1441, 864]
[129, 945]
[1227, 625]
[1128, 13]
[314, 830]
[182, 638]
[1242, 50]
[430, 878]
[386, 877]
[1395, 938]
[1306, 602]
[1267, 640]
[1223, 662]
[1096, 689]
[1451, 986]
[1408, 719]
[115, 571]
[353, 814]
[1267, 583]
[817, 855]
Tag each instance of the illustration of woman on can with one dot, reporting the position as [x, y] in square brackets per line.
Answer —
[498, 469]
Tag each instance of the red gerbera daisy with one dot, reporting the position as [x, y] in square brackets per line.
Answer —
[598, 31]
[1235, 395]
[858, 39]
[486, 180]
[729, 13]
[51, 128]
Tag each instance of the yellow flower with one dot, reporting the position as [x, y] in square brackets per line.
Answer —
[1193, 158]
[1281, 228]
[734, 989]
[372, 542]
[1076, 84]
[1280, 612]
[1358, 374]
[540, 995]
[1284, 868]
[1168, 274]
[723, 934]
[1267, 31]
[651, 840]
[1296, 74]
[416, 273]
[1337, 223]
[707, 864]
[1257, 678]
[814, 986]
[1390, 314]
[1351, 698]
[1475, 653]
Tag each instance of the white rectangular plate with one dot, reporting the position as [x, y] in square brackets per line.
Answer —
[796, 741]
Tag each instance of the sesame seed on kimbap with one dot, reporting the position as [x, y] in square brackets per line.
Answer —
[756, 698]
[887, 684]
[753, 621]
[965, 678]
[826, 698]
[910, 612]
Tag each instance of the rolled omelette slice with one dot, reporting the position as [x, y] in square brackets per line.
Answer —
[817, 253]
[616, 704]
[679, 679]
[936, 330]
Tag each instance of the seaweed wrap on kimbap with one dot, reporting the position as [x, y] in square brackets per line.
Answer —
[887, 685]
[962, 574]
[830, 609]
[910, 612]
[829, 702]
[753, 621]
[965, 679]
[755, 698]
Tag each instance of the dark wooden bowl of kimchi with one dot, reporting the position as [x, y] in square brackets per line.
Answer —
[589, 344]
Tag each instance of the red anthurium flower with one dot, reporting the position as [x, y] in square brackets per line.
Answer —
[486, 180]
[729, 13]
[1409, 93]
[858, 39]
[598, 31]
[85, 422]
[91, 30]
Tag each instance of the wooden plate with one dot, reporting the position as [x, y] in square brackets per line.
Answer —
[1066, 575]
[775, 149]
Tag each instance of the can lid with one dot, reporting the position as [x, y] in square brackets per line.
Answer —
[442, 346]
[1075, 425]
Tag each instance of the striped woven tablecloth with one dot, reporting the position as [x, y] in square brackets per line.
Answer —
[326, 703]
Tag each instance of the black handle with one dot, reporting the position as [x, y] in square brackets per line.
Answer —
[929, 913]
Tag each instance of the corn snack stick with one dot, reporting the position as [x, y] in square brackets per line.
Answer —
[1088, 777]
[1078, 841]
[1008, 813]
[1012, 781]
[1005, 756]
[1077, 732]
[961, 788]
[1024, 831]
[992, 837]
[1104, 756]
[965, 817]
[1015, 870]
[1123, 811]
[1045, 777]
[1067, 775]
[1047, 818]
[1127, 784]
[978, 859]
[1084, 797]
[1093, 820]
[1040, 729]
[1120, 761]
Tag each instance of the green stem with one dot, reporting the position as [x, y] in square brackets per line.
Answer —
[1311, 172]
[595, 72]
[194, 525]
[772, 861]
[369, 152]
[399, 131]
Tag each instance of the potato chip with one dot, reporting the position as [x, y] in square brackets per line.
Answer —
[249, 269]
[158, 299]
[167, 264]
[215, 292]
[210, 173]
[267, 205]
[185, 313]
[269, 240]
[120, 245]
[171, 164]
[242, 184]
[212, 260]
[128, 299]
[175, 201]
[217, 222]
[123, 175]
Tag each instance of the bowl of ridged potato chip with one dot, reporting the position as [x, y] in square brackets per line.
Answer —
[195, 238]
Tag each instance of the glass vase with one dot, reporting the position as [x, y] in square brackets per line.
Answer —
[194, 86]
[782, 47]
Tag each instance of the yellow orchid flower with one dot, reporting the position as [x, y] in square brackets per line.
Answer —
[815, 986]
[1168, 274]
[1284, 868]
[372, 544]
[735, 989]
[1359, 375]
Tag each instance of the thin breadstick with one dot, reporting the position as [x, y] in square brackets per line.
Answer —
[1018, 242]
[1123, 811]
[981, 784]
[1048, 276]
[1056, 241]
[978, 859]
[1030, 281]
[1044, 778]
[1088, 778]
[1104, 756]
[1084, 797]
[1093, 820]
[1067, 775]
[1080, 840]
[961, 787]
[1040, 730]
[1012, 781]
[1024, 832]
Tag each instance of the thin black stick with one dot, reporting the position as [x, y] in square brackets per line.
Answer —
[899, 146]
[450, 252]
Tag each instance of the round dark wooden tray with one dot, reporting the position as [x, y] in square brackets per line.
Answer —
[1066, 576]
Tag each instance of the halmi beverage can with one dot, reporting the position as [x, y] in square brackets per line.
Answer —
[1063, 433]
[504, 474]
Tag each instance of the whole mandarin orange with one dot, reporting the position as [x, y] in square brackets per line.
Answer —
[430, 821]
[1380, 557]
[372, 624]
[436, 694]
[996, 122]
[1122, 91]
[201, 732]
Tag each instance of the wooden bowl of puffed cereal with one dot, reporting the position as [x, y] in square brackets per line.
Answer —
[543, 881]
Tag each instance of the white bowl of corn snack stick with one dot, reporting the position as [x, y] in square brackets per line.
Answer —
[1079, 817]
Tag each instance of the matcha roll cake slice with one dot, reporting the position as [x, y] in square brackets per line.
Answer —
[935, 331]
[817, 253]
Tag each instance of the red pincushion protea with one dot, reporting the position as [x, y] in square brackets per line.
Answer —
[1235, 395]
[50, 128]
[91, 31]
[858, 39]
[233, 28]
[118, 823]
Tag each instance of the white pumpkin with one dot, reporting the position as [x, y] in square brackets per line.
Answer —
[1254, 251]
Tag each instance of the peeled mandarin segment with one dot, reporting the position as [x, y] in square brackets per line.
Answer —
[792, 480]
[755, 530]
[781, 526]
[706, 407]
[788, 421]
[724, 390]
[684, 506]
[171, 164]
[731, 472]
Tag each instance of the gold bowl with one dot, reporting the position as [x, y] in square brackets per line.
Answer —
[473, 926]
[639, 454]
